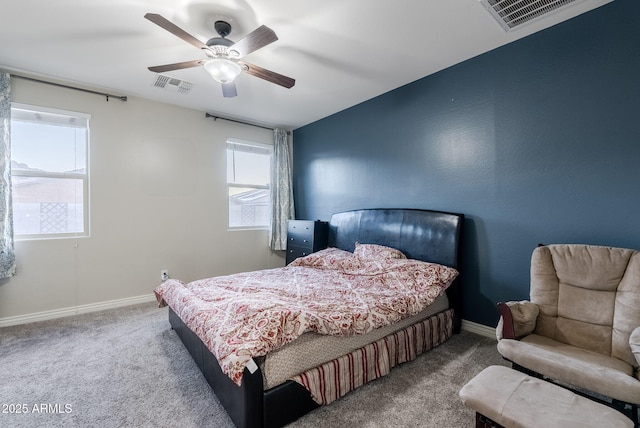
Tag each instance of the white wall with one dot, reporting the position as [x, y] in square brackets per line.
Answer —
[157, 201]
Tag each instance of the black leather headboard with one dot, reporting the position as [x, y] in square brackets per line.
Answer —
[431, 236]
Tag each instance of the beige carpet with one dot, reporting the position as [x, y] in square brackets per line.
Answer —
[126, 368]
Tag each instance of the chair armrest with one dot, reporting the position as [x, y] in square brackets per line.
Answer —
[634, 342]
[505, 329]
[517, 319]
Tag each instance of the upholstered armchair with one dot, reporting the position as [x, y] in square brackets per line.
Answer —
[581, 326]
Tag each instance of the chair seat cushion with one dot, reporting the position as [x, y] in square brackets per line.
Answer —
[575, 366]
[516, 400]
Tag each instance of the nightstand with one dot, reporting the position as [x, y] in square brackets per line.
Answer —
[305, 237]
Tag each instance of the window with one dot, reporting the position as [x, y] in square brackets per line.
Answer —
[249, 184]
[49, 162]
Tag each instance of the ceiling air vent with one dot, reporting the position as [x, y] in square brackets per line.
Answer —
[172, 84]
[513, 13]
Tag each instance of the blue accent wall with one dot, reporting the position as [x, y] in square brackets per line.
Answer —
[535, 142]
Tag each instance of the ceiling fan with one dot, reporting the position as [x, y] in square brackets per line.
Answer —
[223, 55]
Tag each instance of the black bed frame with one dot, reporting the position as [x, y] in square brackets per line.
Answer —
[432, 236]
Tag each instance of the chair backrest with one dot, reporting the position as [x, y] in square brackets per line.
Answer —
[589, 296]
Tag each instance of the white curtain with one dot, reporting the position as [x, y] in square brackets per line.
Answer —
[7, 255]
[281, 190]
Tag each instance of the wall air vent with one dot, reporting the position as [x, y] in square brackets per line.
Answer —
[513, 13]
[172, 84]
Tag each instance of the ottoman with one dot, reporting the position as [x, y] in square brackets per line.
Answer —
[505, 397]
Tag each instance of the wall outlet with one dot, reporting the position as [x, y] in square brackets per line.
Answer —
[164, 274]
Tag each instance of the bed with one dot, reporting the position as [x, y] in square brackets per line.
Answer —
[258, 400]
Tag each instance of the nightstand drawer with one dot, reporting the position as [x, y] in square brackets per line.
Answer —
[300, 240]
[295, 252]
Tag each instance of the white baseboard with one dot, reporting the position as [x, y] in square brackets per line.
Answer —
[482, 330]
[75, 310]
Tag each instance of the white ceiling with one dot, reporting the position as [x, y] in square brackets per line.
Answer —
[340, 52]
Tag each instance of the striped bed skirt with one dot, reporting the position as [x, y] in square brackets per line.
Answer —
[334, 379]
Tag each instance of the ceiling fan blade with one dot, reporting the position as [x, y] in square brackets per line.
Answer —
[229, 90]
[177, 66]
[175, 30]
[268, 75]
[258, 38]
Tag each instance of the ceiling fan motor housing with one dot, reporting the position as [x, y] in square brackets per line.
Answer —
[219, 41]
[223, 28]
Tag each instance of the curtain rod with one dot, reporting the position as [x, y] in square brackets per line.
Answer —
[238, 121]
[120, 97]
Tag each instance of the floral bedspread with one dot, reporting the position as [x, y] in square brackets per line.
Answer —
[335, 292]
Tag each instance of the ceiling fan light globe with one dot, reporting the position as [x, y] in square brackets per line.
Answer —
[222, 70]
